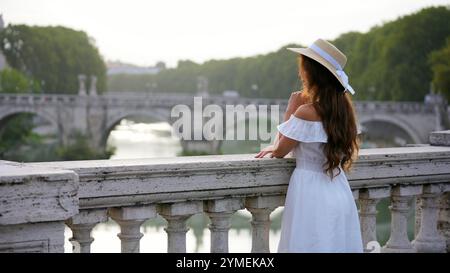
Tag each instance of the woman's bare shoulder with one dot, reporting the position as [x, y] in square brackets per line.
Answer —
[307, 112]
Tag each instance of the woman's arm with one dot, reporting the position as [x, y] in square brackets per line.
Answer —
[296, 99]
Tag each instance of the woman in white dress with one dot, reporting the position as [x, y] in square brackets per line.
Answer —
[320, 214]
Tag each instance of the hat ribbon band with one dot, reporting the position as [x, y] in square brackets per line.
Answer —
[339, 71]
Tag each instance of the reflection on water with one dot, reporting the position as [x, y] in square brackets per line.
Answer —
[141, 140]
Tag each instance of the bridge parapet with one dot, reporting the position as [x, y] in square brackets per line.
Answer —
[175, 98]
[32, 99]
[393, 107]
[132, 191]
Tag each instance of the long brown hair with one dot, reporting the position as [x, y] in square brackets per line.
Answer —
[335, 108]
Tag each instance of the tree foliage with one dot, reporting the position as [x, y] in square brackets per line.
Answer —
[440, 65]
[17, 130]
[81, 150]
[13, 81]
[53, 55]
[389, 62]
[15, 133]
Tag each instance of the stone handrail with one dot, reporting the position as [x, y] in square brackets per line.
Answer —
[37, 199]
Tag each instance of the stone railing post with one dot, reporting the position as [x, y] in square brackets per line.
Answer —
[130, 220]
[261, 207]
[442, 138]
[82, 225]
[398, 240]
[176, 215]
[428, 238]
[444, 217]
[34, 203]
[368, 200]
[220, 212]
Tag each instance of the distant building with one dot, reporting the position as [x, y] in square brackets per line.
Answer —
[114, 68]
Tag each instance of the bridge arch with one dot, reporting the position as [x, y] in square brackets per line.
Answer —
[161, 115]
[10, 112]
[409, 130]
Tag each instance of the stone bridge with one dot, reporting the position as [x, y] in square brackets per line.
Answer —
[96, 115]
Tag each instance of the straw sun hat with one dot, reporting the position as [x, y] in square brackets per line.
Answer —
[329, 56]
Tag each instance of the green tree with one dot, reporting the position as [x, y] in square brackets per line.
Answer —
[81, 150]
[17, 131]
[13, 81]
[53, 55]
[440, 65]
[390, 62]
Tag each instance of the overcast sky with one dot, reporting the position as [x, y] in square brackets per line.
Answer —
[146, 31]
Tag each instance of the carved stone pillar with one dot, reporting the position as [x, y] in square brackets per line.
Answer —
[428, 238]
[82, 225]
[368, 200]
[444, 216]
[261, 207]
[220, 212]
[399, 241]
[82, 85]
[130, 220]
[176, 215]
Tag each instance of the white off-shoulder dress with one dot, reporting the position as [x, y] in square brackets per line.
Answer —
[320, 214]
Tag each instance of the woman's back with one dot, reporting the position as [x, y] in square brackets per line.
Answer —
[320, 213]
[312, 137]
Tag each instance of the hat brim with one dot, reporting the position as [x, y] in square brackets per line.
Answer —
[313, 55]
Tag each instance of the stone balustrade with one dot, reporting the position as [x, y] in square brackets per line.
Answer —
[37, 199]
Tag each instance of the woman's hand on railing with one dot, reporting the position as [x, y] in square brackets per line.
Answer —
[268, 150]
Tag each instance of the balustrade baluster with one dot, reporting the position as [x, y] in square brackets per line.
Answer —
[398, 240]
[176, 215]
[130, 220]
[428, 238]
[82, 225]
[261, 207]
[220, 212]
[368, 200]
